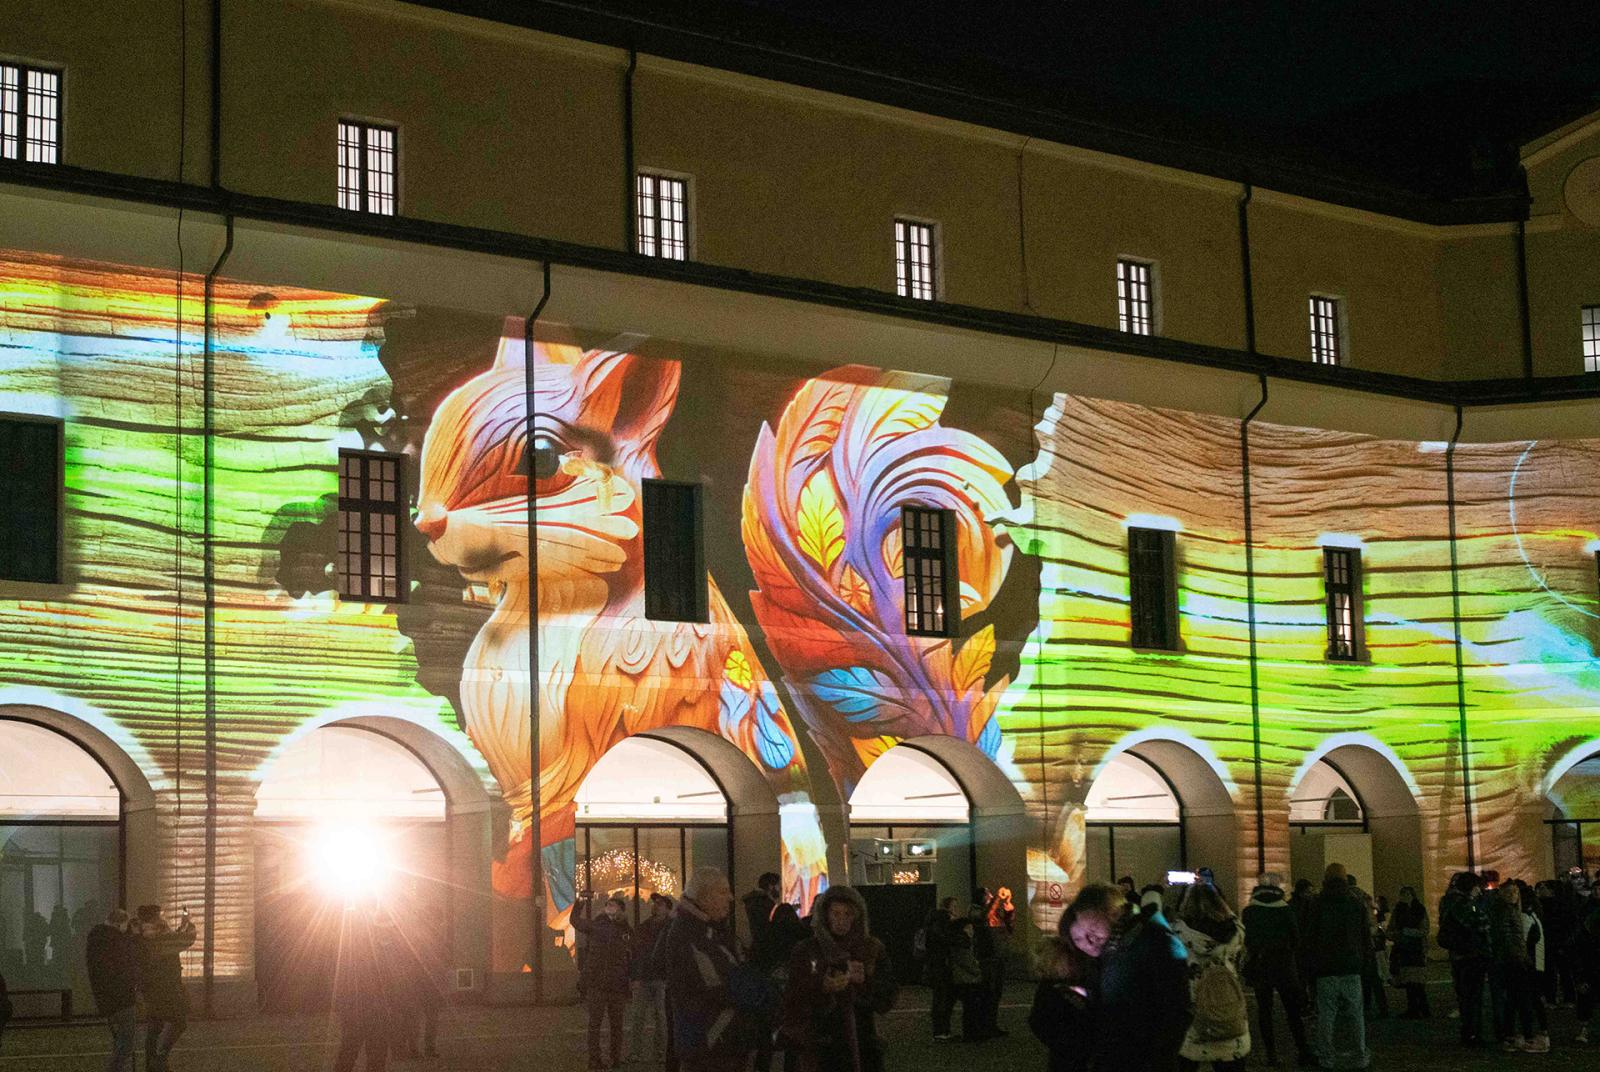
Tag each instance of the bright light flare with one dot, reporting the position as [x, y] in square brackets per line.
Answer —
[351, 862]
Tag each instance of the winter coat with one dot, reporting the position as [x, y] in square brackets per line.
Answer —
[111, 956]
[1219, 944]
[643, 964]
[936, 959]
[1408, 930]
[366, 979]
[702, 966]
[965, 968]
[1506, 947]
[1063, 1014]
[1339, 938]
[784, 931]
[758, 918]
[1469, 918]
[1271, 938]
[607, 952]
[1144, 998]
[821, 1023]
[1533, 942]
[161, 970]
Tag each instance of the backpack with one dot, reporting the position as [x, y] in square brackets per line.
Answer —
[1219, 1007]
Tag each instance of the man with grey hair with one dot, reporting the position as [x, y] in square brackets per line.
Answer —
[702, 966]
[1272, 963]
[111, 955]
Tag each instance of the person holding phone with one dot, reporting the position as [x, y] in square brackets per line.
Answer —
[166, 1002]
[840, 981]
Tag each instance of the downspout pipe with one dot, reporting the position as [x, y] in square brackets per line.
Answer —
[1455, 618]
[530, 382]
[630, 215]
[1250, 609]
[1246, 283]
[1525, 317]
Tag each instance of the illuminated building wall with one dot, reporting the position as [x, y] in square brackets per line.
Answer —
[803, 665]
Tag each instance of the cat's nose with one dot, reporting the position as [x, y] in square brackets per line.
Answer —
[431, 521]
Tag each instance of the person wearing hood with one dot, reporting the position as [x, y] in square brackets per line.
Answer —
[840, 981]
[1271, 964]
[1408, 957]
[1338, 942]
[703, 968]
[1219, 1033]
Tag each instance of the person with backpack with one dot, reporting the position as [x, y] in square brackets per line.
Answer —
[1339, 940]
[1271, 964]
[931, 944]
[1220, 1030]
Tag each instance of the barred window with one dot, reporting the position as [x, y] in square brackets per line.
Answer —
[368, 162]
[674, 562]
[1341, 568]
[30, 114]
[914, 269]
[1153, 588]
[663, 216]
[1327, 343]
[931, 573]
[1591, 338]
[371, 508]
[30, 488]
[1135, 297]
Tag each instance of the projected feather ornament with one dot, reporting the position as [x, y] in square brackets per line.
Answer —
[822, 516]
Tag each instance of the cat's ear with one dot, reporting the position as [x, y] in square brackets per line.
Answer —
[643, 390]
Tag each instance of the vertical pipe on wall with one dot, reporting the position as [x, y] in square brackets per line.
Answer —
[530, 415]
[1522, 299]
[630, 219]
[1455, 618]
[1246, 282]
[1250, 610]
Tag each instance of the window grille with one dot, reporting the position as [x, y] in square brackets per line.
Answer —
[931, 571]
[914, 269]
[30, 114]
[1135, 298]
[1591, 338]
[1342, 575]
[663, 217]
[371, 512]
[368, 161]
[1153, 589]
[674, 562]
[30, 489]
[1327, 347]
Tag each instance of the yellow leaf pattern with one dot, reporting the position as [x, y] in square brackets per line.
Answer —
[854, 591]
[737, 667]
[821, 524]
[972, 662]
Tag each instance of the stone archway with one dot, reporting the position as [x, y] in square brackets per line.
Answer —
[1380, 838]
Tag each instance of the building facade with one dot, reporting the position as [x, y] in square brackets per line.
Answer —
[917, 503]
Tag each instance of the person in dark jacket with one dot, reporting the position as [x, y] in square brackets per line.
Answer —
[111, 955]
[166, 1002]
[1272, 964]
[647, 985]
[417, 1000]
[1340, 939]
[1063, 1013]
[840, 981]
[5, 1011]
[1144, 986]
[1464, 934]
[936, 967]
[608, 951]
[1408, 956]
[1507, 959]
[759, 906]
[993, 916]
[706, 977]
[966, 979]
[363, 990]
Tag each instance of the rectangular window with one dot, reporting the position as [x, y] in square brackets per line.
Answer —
[933, 595]
[1591, 338]
[663, 217]
[914, 269]
[1327, 343]
[372, 508]
[1341, 568]
[30, 488]
[1135, 298]
[368, 162]
[674, 562]
[1153, 588]
[30, 114]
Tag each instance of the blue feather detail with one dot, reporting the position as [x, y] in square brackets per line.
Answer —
[858, 693]
[989, 739]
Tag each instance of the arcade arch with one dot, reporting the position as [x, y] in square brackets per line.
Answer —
[1573, 793]
[1352, 803]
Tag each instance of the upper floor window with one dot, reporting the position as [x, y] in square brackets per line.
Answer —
[1341, 570]
[674, 563]
[368, 167]
[915, 270]
[928, 543]
[1591, 338]
[372, 504]
[663, 216]
[30, 114]
[1327, 330]
[1153, 588]
[30, 488]
[1136, 297]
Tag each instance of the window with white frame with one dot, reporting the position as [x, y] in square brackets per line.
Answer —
[30, 114]
[915, 274]
[368, 164]
[663, 216]
[1136, 297]
[1591, 338]
[1327, 342]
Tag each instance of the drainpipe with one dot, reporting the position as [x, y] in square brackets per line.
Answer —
[629, 211]
[1455, 617]
[1250, 604]
[1244, 273]
[530, 412]
[1522, 299]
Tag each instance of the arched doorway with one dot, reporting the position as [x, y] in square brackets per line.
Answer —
[355, 815]
[661, 804]
[1352, 804]
[1574, 818]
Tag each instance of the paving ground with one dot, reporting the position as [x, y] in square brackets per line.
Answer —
[552, 1040]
